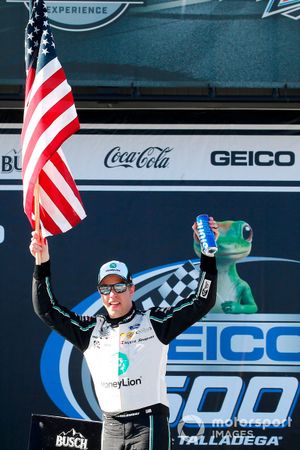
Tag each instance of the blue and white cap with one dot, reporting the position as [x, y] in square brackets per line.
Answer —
[114, 268]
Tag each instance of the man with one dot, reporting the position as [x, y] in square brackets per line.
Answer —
[126, 349]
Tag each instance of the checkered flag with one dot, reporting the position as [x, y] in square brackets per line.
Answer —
[179, 285]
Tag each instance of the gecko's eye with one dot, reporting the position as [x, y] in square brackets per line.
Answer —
[247, 233]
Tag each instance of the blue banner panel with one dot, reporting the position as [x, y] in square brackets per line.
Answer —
[233, 377]
[192, 43]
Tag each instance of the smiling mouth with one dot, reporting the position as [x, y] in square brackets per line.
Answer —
[114, 303]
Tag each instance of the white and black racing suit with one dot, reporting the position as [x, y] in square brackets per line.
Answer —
[127, 356]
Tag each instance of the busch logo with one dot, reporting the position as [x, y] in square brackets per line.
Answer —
[11, 161]
[71, 439]
[151, 157]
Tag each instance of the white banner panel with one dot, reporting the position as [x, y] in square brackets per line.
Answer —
[184, 156]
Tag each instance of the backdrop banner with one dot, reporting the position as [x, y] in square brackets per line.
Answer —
[233, 378]
[170, 43]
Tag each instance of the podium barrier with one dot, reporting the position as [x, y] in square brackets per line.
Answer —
[54, 432]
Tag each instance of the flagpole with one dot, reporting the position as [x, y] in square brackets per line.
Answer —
[38, 256]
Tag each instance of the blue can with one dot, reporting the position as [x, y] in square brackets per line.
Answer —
[206, 236]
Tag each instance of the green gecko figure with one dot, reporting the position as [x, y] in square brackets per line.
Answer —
[234, 295]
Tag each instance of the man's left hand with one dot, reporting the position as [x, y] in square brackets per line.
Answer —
[213, 225]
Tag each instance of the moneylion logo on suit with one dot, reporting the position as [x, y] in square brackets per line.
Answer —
[84, 15]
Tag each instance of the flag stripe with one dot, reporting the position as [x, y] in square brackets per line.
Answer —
[41, 118]
[61, 164]
[41, 77]
[31, 178]
[65, 184]
[50, 227]
[43, 100]
[50, 140]
[60, 201]
[29, 82]
[57, 217]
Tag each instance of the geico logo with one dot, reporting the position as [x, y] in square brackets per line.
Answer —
[252, 158]
[2, 234]
[71, 442]
[223, 343]
[241, 404]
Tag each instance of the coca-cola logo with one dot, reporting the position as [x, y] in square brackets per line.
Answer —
[151, 157]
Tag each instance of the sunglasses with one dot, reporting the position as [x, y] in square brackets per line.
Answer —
[119, 288]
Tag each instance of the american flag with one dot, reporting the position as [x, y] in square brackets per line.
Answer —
[49, 119]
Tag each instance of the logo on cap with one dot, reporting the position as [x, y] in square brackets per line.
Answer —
[113, 265]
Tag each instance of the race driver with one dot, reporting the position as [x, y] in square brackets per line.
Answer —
[126, 348]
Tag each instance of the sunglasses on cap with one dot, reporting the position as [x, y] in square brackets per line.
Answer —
[119, 288]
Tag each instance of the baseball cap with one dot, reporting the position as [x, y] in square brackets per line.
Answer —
[114, 268]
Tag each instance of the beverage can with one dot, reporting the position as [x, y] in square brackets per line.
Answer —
[206, 236]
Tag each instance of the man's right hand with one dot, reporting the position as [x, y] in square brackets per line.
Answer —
[39, 245]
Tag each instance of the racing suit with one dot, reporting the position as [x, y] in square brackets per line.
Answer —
[127, 357]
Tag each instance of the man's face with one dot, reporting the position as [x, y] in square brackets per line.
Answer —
[117, 305]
